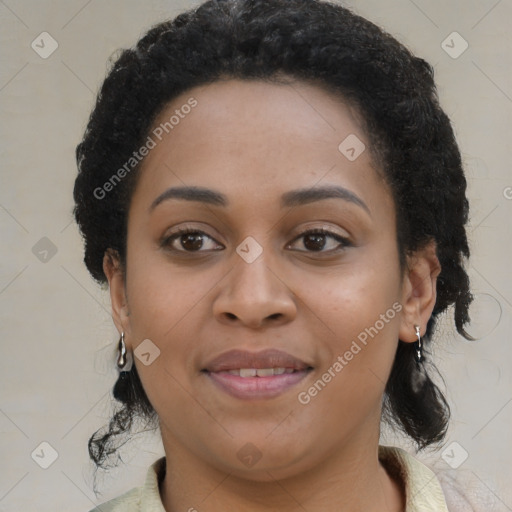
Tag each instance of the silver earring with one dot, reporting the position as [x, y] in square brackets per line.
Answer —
[419, 347]
[122, 358]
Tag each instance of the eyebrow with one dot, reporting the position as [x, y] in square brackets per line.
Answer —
[289, 199]
[200, 194]
[310, 195]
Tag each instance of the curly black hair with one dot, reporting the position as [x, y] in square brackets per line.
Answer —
[318, 42]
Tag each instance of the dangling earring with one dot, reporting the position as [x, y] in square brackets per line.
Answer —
[419, 347]
[419, 374]
[122, 358]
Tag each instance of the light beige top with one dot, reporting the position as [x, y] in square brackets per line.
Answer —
[422, 488]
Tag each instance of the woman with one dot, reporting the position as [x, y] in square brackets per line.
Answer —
[277, 202]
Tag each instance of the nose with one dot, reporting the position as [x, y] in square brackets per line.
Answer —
[254, 295]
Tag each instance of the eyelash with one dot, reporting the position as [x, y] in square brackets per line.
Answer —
[344, 242]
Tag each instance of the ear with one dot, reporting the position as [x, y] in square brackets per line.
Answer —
[419, 291]
[116, 280]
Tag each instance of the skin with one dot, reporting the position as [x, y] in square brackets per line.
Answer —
[253, 142]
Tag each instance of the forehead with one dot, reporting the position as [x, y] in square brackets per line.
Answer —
[256, 140]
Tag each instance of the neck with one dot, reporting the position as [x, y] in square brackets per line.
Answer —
[350, 479]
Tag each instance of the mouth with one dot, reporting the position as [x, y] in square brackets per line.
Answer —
[261, 375]
[259, 372]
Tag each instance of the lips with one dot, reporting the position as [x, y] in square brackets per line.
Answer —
[249, 375]
[238, 359]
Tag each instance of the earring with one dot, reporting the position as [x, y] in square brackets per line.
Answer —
[419, 347]
[121, 347]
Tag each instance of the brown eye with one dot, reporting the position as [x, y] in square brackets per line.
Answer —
[314, 241]
[319, 239]
[190, 240]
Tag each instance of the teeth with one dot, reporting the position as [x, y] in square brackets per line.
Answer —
[265, 372]
[248, 372]
[260, 372]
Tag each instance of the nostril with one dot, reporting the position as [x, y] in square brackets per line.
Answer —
[231, 316]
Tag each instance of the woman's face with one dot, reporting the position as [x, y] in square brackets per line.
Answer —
[263, 337]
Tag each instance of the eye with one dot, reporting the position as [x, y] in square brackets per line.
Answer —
[194, 240]
[190, 240]
[322, 240]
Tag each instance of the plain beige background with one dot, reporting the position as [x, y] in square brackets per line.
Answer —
[57, 338]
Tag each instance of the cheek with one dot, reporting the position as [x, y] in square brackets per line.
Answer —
[171, 308]
[357, 318]
[162, 297]
[164, 307]
[352, 298]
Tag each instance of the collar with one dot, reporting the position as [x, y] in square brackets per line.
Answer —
[423, 492]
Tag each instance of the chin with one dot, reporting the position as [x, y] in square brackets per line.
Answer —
[266, 464]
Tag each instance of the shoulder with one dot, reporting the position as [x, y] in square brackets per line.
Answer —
[422, 489]
[465, 492]
[140, 499]
[127, 502]
[426, 480]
